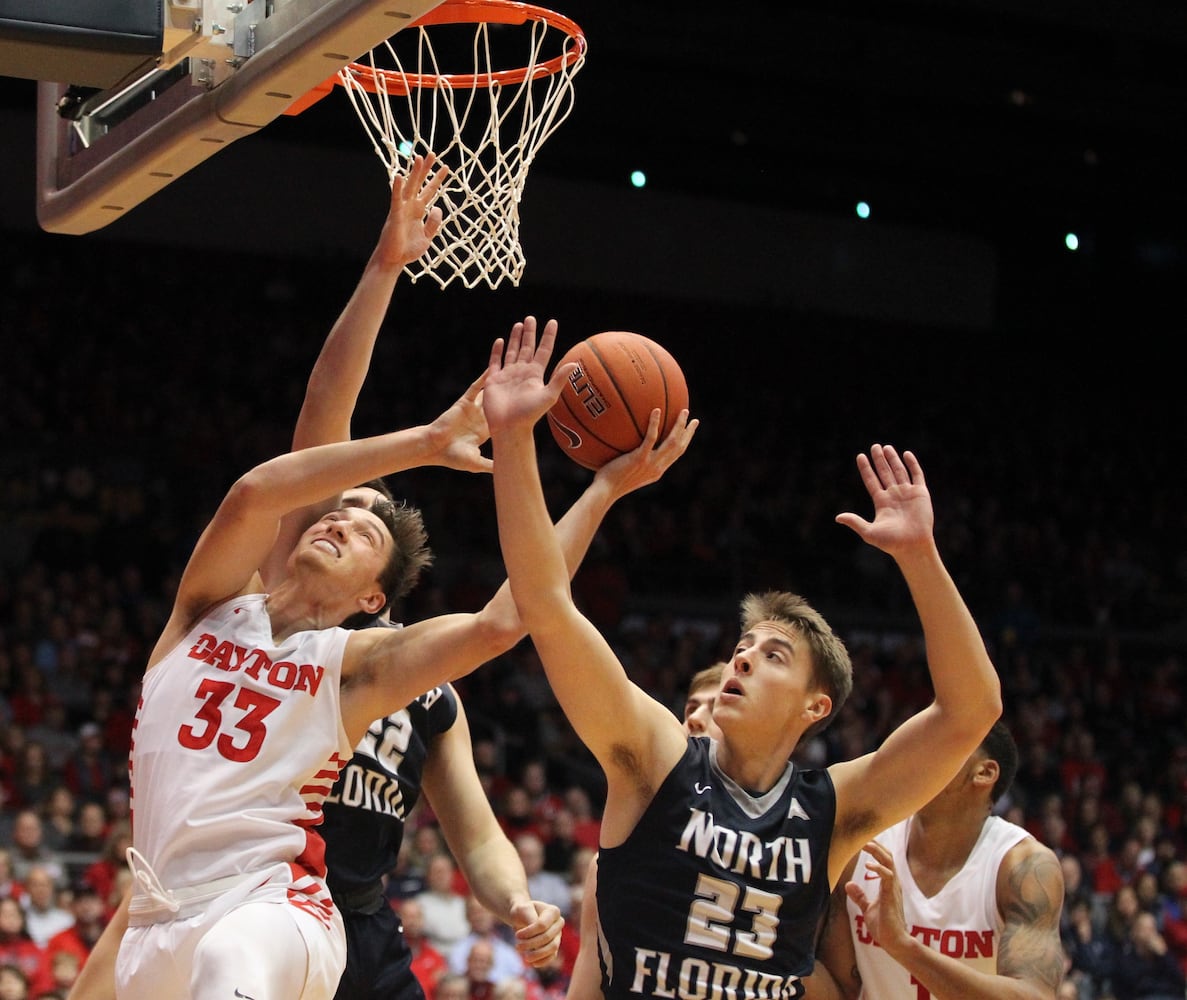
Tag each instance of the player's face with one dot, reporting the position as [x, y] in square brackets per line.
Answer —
[350, 542]
[698, 713]
[769, 684]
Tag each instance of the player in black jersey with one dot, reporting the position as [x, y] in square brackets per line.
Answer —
[586, 981]
[717, 858]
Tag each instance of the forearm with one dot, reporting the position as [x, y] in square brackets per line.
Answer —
[575, 533]
[965, 682]
[532, 550]
[341, 367]
[308, 476]
[947, 978]
[495, 874]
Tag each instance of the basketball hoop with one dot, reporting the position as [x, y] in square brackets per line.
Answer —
[446, 92]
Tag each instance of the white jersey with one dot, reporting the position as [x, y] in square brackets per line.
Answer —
[236, 744]
[961, 920]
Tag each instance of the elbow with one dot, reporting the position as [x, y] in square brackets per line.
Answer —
[993, 705]
[499, 629]
[249, 491]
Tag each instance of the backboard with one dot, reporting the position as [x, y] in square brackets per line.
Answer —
[228, 69]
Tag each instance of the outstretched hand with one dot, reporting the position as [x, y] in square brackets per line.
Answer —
[461, 432]
[883, 915]
[412, 221]
[903, 516]
[647, 463]
[516, 391]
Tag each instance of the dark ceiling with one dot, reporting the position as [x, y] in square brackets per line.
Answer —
[990, 117]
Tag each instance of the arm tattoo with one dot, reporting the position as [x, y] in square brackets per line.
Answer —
[1030, 945]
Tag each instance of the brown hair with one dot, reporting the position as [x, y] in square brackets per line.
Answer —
[832, 670]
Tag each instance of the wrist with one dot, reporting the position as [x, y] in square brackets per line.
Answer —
[903, 948]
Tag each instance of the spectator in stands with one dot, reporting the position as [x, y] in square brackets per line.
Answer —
[1145, 969]
[17, 948]
[58, 818]
[506, 961]
[104, 872]
[480, 971]
[43, 916]
[1172, 912]
[1122, 911]
[28, 849]
[533, 777]
[10, 887]
[428, 964]
[451, 987]
[14, 984]
[90, 772]
[90, 917]
[586, 826]
[549, 887]
[1091, 952]
[444, 909]
[90, 832]
[515, 813]
[34, 778]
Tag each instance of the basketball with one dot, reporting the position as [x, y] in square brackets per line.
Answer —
[606, 403]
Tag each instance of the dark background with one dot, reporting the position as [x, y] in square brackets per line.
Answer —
[954, 320]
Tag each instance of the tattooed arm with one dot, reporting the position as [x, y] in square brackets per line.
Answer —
[1030, 899]
[1030, 954]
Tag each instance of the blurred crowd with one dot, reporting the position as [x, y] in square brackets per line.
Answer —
[130, 401]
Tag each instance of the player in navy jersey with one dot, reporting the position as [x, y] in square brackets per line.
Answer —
[717, 857]
[585, 983]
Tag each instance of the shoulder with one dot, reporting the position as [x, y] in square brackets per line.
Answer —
[1029, 882]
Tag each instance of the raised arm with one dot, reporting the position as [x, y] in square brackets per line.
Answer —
[387, 665]
[244, 528]
[634, 738]
[341, 367]
[1030, 953]
[919, 758]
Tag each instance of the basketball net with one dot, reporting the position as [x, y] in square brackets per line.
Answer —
[486, 124]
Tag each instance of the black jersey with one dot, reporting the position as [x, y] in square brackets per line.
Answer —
[717, 893]
[365, 812]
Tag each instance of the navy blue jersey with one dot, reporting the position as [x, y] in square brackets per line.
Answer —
[365, 812]
[717, 893]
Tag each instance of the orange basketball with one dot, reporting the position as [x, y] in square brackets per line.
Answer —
[605, 405]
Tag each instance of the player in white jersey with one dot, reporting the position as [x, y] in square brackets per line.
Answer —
[207, 938]
[464, 640]
[715, 862]
[951, 902]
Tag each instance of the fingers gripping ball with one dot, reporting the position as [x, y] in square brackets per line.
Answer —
[605, 405]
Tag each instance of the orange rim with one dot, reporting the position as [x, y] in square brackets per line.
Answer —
[477, 12]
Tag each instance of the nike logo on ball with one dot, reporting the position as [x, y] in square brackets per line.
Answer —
[243, 996]
[568, 432]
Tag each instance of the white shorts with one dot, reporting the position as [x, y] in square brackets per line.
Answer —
[264, 939]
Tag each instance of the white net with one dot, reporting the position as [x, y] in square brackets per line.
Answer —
[484, 122]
